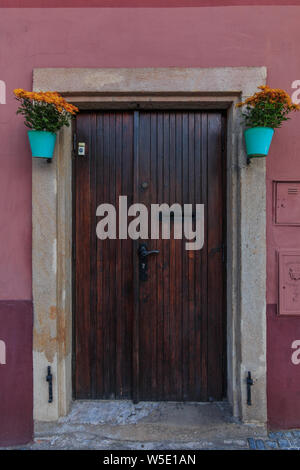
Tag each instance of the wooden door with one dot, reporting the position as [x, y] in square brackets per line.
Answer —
[164, 338]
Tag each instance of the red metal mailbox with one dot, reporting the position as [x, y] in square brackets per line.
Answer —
[289, 282]
[287, 203]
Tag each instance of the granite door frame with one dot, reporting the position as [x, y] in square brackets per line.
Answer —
[151, 88]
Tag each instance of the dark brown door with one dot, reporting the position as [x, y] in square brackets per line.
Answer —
[163, 338]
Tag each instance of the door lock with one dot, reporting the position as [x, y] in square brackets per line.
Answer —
[143, 254]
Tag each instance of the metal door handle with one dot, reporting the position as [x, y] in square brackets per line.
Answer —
[143, 251]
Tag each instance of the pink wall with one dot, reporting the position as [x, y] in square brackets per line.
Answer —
[143, 37]
[137, 3]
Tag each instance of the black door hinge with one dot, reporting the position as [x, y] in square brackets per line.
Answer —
[249, 385]
[49, 379]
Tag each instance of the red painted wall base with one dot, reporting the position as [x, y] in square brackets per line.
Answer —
[283, 377]
[16, 378]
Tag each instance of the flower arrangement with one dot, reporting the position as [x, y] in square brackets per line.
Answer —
[265, 111]
[268, 108]
[44, 111]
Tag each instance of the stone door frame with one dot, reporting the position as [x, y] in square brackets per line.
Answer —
[151, 88]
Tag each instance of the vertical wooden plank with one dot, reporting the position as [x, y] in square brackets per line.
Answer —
[155, 312]
[166, 258]
[106, 265]
[149, 313]
[145, 294]
[136, 335]
[202, 298]
[184, 280]
[160, 264]
[112, 254]
[120, 314]
[127, 313]
[100, 255]
[93, 255]
[83, 251]
[191, 260]
[197, 260]
[178, 262]
[203, 285]
[173, 341]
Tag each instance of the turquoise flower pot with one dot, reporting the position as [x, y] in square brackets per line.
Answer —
[42, 143]
[258, 141]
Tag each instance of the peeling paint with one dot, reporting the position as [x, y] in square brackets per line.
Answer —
[62, 333]
[47, 343]
[54, 255]
[53, 312]
[43, 341]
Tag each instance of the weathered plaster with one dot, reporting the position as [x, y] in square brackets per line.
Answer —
[246, 222]
[52, 274]
[201, 81]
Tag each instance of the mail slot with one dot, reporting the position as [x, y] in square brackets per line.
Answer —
[287, 204]
[289, 282]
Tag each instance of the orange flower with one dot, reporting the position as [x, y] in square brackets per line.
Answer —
[270, 95]
[49, 97]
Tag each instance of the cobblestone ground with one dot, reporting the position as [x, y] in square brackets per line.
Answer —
[121, 425]
[284, 440]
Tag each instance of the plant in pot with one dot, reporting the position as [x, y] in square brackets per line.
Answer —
[265, 111]
[45, 113]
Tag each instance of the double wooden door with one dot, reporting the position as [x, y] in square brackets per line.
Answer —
[164, 338]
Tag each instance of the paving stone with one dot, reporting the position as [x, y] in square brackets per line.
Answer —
[284, 443]
[260, 445]
[275, 435]
[272, 444]
[251, 442]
